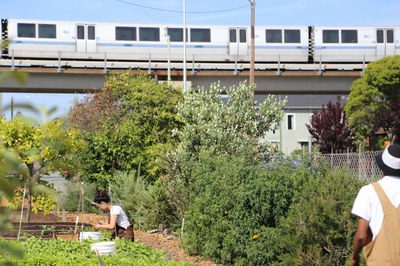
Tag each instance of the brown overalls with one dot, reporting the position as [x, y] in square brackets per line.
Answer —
[384, 250]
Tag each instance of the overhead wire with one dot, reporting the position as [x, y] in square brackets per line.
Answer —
[180, 11]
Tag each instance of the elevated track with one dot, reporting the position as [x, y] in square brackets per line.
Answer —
[68, 76]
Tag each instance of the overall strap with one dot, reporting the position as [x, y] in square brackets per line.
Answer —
[385, 202]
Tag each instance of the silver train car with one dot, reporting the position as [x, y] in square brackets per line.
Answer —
[40, 39]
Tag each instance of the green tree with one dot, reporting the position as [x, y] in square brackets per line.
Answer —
[379, 85]
[222, 127]
[126, 124]
[39, 147]
[389, 120]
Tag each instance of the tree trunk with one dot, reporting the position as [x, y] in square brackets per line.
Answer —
[29, 208]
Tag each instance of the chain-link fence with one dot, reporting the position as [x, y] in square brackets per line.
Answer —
[362, 164]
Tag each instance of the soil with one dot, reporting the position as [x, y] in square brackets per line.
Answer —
[168, 243]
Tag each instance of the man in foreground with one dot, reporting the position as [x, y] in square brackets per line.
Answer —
[376, 205]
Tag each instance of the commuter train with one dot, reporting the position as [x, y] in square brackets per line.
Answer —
[34, 39]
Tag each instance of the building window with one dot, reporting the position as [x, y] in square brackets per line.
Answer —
[290, 122]
[275, 144]
[304, 145]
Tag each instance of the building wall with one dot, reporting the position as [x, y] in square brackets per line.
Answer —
[293, 134]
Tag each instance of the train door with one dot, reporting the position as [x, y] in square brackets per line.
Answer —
[385, 42]
[238, 41]
[85, 38]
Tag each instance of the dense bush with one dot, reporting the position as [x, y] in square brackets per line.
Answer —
[284, 214]
[319, 227]
[131, 191]
[233, 201]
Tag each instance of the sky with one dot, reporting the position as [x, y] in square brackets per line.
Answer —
[204, 12]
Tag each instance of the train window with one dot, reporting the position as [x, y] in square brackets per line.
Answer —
[389, 36]
[349, 36]
[242, 35]
[330, 36]
[232, 35]
[379, 36]
[47, 31]
[292, 36]
[80, 32]
[26, 30]
[200, 35]
[176, 34]
[125, 33]
[91, 33]
[273, 36]
[149, 34]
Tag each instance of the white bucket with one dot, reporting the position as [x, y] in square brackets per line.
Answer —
[90, 235]
[104, 248]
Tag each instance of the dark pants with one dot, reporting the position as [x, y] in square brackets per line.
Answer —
[123, 233]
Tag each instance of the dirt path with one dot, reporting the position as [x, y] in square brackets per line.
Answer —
[171, 247]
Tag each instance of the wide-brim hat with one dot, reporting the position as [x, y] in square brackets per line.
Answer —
[389, 160]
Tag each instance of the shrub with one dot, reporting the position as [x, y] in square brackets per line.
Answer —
[319, 227]
[233, 202]
[130, 190]
[69, 198]
[283, 214]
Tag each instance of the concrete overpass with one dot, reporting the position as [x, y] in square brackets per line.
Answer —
[307, 87]
[54, 76]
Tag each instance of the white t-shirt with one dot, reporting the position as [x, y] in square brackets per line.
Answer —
[122, 219]
[368, 206]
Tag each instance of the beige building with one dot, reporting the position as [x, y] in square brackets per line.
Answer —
[293, 133]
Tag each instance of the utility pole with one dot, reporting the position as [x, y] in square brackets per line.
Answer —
[252, 36]
[184, 46]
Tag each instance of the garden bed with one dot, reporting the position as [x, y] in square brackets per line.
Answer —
[44, 230]
[166, 243]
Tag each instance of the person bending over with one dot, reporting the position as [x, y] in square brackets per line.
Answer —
[117, 219]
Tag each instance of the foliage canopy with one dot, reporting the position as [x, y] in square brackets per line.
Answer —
[126, 124]
[377, 87]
